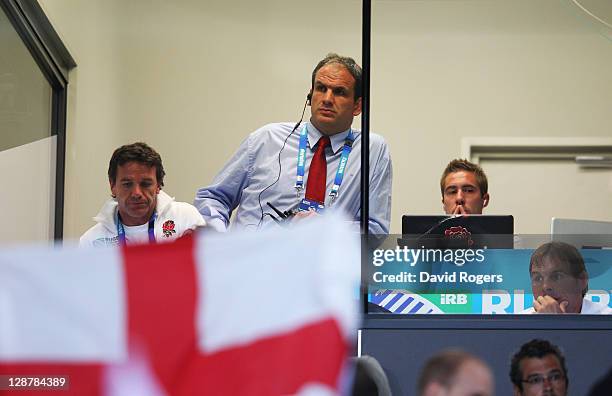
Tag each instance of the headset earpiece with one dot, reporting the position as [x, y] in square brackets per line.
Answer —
[309, 98]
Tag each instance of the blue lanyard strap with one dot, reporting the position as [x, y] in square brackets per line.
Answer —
[301, 160]
[346, 151]
[121, 230]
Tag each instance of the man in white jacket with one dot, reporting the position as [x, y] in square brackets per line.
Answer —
[139, 211]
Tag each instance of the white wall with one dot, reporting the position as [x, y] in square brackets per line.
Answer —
[453, 69]
[29, 198]
[192, 78]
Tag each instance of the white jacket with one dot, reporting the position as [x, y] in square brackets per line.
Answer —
[173, 219]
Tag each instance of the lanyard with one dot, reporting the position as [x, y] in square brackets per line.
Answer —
[346, 150]
[121, 230]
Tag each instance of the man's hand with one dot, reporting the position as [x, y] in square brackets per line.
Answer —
[459, 210]
[547, 304]
[185, 234]
[303, 215]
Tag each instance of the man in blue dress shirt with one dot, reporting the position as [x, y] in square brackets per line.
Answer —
[273, 163]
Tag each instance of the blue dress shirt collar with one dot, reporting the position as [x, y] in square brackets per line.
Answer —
[337, 140]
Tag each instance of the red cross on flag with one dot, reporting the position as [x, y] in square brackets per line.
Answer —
[266, 313]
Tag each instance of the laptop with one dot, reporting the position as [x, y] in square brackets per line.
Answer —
[457, 232]
[583, 234]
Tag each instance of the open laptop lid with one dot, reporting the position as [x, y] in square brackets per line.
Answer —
[583, 234]
[434, 231]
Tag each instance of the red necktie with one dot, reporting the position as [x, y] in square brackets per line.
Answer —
[317, 175]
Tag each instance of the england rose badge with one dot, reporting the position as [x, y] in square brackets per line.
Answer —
[168, 228]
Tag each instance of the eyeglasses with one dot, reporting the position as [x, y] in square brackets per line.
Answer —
[538, 380]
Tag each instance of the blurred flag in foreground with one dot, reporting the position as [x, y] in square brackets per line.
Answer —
[268, 313]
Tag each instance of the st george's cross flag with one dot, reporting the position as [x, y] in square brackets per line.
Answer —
[266, 313]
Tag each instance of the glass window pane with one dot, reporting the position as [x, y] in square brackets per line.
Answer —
[25, 94]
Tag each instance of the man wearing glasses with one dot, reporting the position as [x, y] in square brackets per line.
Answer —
[559, 281]
[538, 369]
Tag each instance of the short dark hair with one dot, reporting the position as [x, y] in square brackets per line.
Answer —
[349, 64]
[442, 367]
[136, 152]
[561, 252]
[458, 165]
[534, 349]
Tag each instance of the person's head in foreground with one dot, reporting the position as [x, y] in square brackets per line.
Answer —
[559, 280]
[455, 373]
[464, 188]
[370, 378]
[538, 369]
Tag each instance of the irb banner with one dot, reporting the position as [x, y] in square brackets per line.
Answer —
[463, 281]
[269, 313]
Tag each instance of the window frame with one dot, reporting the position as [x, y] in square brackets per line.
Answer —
[55, 62]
